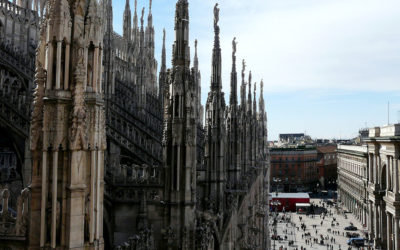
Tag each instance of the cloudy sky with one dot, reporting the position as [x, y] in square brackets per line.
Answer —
[330, 67]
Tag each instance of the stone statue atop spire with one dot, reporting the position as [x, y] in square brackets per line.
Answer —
[216, 16]
[196, 60]
[243, 69]
[233, 95]
[234, 43]
[142, 18]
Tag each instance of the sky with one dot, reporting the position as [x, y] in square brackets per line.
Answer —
[330, 67]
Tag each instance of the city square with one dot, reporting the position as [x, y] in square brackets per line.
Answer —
[320, 231]
[199, 125]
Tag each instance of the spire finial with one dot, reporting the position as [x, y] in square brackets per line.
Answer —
[216, 15]
[243, 68]
[142, 18]
[234, 43]
[135, 5]
[151, 1]
[233, 95]
[262, 87]
[196, 60]
[250, 82]
[249, 102]
[163, 55]
[164, 37]
[216, 81]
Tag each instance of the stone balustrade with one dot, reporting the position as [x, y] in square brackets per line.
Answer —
[143, 240]
[390, 130]
[136, 174]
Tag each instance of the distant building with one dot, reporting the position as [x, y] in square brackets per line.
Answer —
[290, 137]
[294, 169]
[327, 166]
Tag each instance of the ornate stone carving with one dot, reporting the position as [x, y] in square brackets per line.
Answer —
[169, 235]
[22, 213]
[78, 138]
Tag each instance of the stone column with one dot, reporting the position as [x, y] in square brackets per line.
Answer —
[371, 220]
[92, 196]
[383, 228]
[388, 179]
[66, 68]
[49, 65]
[371, 167]
[13, 27]
[389, 231]
[396, 233]
[377, 223]
[375, 169]
[58, 65]
[396, 176]
[54, 201]
[44, 201]
[100, 69]
[95, 68]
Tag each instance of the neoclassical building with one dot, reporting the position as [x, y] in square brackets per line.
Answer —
[114, 155]
[383, 185]
[352, 180]
[369, 184]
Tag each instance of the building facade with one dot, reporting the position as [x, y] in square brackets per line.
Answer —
[113, 156]
[383, 186]
[327, 166]
[369, 184]
[293, 169]
[352, 180]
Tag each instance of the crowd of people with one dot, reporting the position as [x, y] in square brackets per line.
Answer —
[316, 235]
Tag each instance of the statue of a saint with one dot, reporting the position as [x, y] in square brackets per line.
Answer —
[234, 43]
[216, 14]
[142, 18]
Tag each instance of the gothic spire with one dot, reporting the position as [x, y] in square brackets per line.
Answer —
[181, 53]
[249, 95]
[233, 96]
[243, 86]
[162, 80]
[163, 55]
[150, 17]
[196, 59]
[261, 99]
[127, 20]
[135, 17]
[254, 100]
[216, 81]
[142, 20]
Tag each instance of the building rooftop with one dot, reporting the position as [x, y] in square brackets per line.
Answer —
[327, 149]
[360, 149]
[290, 195]
[385, 131]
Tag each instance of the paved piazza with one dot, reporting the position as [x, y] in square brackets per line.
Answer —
[315, 229]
